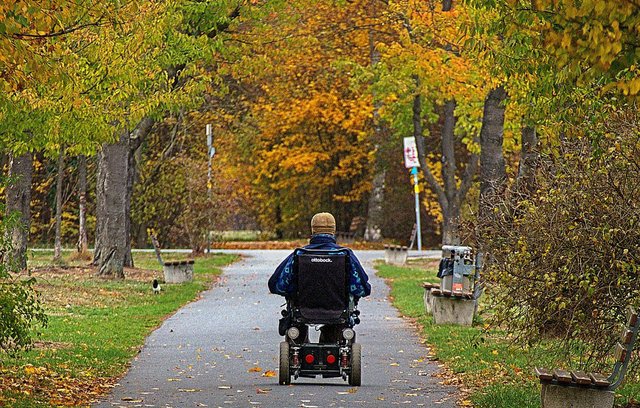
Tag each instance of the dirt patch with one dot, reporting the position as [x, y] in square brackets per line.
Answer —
[84, 273]
[51, 345]
[61, 288]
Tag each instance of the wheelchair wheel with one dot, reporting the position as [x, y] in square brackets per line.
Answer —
[285, 377]
[355, 378]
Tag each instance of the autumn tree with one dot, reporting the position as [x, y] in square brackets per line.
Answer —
[48, 96]
[429, 88]
[310, 123]
[186, 39]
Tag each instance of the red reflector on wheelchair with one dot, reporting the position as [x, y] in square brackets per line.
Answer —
[331, 359]
[309, 358]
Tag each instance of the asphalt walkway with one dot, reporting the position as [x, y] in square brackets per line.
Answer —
[217, 351]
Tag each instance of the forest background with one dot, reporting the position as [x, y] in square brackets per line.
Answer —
[524, 114]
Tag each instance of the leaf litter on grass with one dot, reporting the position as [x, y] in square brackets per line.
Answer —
[62, 289]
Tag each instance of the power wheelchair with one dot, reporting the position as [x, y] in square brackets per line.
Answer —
[321, 298]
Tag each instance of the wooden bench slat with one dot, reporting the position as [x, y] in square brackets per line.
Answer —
[599, 380]
[544, 374]
[446, 292]
[581, 377]
[562, 376]
[627, 335]
[621, 352]
[632, 318]
[436, 292]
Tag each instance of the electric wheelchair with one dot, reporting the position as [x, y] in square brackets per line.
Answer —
[321, 298]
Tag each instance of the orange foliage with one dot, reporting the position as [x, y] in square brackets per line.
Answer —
[310, 121]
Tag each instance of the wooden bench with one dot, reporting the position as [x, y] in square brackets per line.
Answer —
[354, 230]
[564, 387]
[428, 287]
[448, 293]
[178, 271]
[396, 254]
[173, 271]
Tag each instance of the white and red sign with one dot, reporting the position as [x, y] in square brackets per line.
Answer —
[410, 153]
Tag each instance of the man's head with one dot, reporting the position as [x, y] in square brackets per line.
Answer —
[323, 223]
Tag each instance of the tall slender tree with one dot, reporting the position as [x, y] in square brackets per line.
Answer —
[57, 248]
[82, 244]
[19, 199]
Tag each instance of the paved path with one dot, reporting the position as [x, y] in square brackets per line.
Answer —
[203, 355]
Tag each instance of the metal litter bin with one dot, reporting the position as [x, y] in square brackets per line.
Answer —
[456, 269]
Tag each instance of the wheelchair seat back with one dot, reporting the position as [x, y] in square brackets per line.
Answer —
[322, 295]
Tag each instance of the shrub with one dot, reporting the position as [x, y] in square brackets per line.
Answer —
[565, 259]
[20, 308]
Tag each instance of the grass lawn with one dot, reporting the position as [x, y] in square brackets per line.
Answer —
[494, 373]
[95, 327]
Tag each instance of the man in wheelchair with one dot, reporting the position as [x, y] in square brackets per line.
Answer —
[322, 284]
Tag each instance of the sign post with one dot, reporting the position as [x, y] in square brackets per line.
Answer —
[210, 152]
[411, 161]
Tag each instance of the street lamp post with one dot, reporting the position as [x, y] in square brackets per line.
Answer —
[210, 152]
[411, 161]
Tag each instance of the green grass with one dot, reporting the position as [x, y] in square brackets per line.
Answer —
[498, 373]
[95, 327]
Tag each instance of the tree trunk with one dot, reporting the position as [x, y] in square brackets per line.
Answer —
[451, 225]
[19, 199]
[111, 195]
[82, 199]
[137, 137]
[448, 142]
[375, 210]
[116, 166]
[57, 247]
[373, 231]
[131, 176]
[450, 197]
[492, 166]
[528, 159]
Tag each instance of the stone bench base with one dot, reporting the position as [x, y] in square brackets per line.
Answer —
[427, 295]
[345, 237]
[452, 310]
[558, 396]
[395, 255]
[178, 271]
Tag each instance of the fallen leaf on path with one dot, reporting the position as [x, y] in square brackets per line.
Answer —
[263, 390]
[224, 387]
[130, 399]
[255, 369]
[269, 373]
